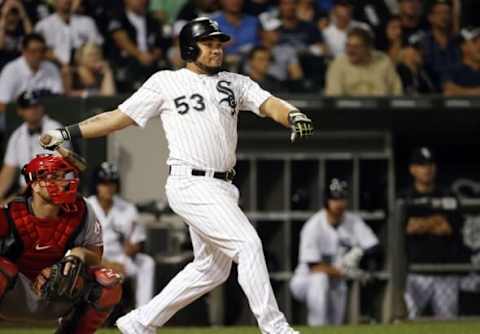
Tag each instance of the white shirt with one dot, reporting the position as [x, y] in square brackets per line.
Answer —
[199, 114]
[321, 242]
[64, 37]
[140, 24]
[336, 39]
[17, 77]
[22, 146]
[119, 222]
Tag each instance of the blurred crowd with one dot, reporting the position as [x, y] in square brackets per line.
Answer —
[338, 47]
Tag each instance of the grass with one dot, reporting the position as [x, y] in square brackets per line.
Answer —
[466, 327]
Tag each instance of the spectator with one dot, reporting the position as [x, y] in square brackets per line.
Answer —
[29, 72]
[332, 243]
[411, 17]
[335, 34]
[241, 27]
[303, 36]
[65, 32]
[306, 39]
[362, 70]
[285, 64]
[415, 79]
[23, 145]
[439, 48]
[14, 25]
[123, 237]
[464, 78]
[393, 39]
[136, 45]
[257, 68]
[91, 74]
[373, 12]
[433, 236]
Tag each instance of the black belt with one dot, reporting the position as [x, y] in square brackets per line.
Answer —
[226, 176]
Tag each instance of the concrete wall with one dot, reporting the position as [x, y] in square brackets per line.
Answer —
[141, 155]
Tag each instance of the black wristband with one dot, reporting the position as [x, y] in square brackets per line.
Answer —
[74, 131]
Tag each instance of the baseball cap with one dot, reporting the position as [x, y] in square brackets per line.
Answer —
[422, 156]
[337, 189]
[28, 99]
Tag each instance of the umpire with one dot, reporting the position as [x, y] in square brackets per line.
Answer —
[433, 236]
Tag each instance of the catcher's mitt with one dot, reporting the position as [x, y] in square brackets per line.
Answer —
[65, 280]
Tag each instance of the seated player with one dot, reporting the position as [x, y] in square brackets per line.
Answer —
[123, 237]
[50, 251]
[332, 243]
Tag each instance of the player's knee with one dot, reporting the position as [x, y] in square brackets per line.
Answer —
[8, 275]
[108, 289]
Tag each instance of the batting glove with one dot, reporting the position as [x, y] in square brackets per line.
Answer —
[300, 124]
[352, 258]
[54, 138]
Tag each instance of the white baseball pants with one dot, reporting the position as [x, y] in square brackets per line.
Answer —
[326, 298]
[221, 233]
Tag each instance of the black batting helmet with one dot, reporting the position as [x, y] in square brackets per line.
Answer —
[337, 189]
[195, 30]
[103, 173]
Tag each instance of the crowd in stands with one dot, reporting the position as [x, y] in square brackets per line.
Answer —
[86, 47]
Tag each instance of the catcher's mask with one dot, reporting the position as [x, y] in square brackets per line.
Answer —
[60, 178]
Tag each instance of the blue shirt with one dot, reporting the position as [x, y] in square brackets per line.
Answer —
[462, 75]
[244, 36]
[438, 59]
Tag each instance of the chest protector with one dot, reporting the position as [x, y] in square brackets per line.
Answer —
[43, 242]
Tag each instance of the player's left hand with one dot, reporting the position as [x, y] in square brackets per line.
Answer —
[65, 280]
[300, 124]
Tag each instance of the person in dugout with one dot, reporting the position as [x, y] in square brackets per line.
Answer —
[433, 228]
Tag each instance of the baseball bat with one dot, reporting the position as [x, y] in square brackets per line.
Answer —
[73, 158]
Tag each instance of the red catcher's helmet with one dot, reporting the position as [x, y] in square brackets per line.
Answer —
[61, 179]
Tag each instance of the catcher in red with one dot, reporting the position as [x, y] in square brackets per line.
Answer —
[50, 253]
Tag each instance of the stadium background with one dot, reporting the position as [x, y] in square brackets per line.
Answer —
[366, 140]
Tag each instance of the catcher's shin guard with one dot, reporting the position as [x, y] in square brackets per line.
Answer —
[90, 315]
[8, 274]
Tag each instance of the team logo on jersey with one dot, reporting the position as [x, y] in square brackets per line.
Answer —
[223, 87]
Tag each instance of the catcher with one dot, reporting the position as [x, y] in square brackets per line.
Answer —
[50, 248]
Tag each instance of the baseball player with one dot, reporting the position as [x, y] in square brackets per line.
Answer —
[50, 249]
[199, 106]
[123, 238]
[433, 236]
[332, 243]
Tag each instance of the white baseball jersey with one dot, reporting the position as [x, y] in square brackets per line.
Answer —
[325, 296]
[199, 114]
[119, 222]
[321, 242]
